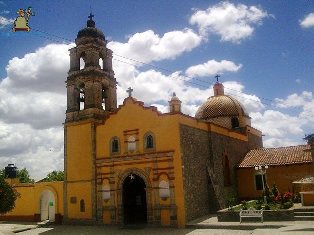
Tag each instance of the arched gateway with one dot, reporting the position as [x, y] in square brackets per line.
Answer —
[134, 200]
[47, 206]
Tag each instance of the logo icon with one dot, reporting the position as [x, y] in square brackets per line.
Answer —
[21, 22]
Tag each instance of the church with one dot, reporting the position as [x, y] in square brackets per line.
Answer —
[133, 164]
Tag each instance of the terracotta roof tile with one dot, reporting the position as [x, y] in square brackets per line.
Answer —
[277, 156]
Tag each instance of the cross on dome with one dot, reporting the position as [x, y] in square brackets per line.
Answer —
[129, 90]
[91, 16]
[217, 77]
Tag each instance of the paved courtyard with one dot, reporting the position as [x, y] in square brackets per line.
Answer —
[298, 227]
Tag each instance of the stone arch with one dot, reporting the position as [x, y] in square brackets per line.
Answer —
[81, 96]
[145, 177]
[82, 60]
[102, 61]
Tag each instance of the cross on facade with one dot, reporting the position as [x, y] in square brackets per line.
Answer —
[129, 90]
[132, 177]
[217, 77]
[91, 16]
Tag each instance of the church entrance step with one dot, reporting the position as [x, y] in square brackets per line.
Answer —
[304, 218]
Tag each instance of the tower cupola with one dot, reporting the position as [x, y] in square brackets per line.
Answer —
[91, 86]
[175, 104]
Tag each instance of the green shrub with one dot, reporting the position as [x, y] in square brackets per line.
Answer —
[286, 205]
[267, 207]
[244, 205]
[258, 205]
[231, 201]
[296, 198]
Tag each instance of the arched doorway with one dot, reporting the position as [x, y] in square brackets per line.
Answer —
[134, 200]
[47, 206]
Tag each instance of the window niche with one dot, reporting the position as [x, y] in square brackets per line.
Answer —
[131, 144]
[164, 191]
[235, 123]
[82, 206]
[149, 142]
[114, 145]
[106, 192]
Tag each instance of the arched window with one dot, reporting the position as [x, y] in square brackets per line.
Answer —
[235, 122]
[82, 61]
[106, 192]
[82, 206]
[149, 141]
[115, 148]
[81, 98]
[131, 144]
[164, 191]
[101, 63]
[104, 96]
[226, 171]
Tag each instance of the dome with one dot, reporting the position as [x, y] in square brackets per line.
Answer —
[91, 30]
[220, 106]
[223, 110]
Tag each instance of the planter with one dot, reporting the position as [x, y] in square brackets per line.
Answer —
[233, 216]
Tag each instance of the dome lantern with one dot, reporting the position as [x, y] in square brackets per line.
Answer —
[223, 110]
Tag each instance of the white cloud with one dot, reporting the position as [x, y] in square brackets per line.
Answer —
[4, 12]
[212, 67]
[148, 46]
[294, 100]
[277, 127]
[32, 107]
[5, 21]
[44, 70]
[308, 21]
[231, 22]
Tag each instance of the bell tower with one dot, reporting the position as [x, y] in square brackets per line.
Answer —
[91, 86]
[91, 96]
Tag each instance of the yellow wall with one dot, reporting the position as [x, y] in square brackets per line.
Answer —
[81, 190]
[166, 131]
[79, 169]
[283, 176]
[78, 155]
[28, 203]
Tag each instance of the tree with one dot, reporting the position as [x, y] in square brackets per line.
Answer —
[1, 174]
[24, 176]
[8, 196]
[55, 176]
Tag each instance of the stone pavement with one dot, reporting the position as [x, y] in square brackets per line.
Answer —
[15, 227]
[205, 225]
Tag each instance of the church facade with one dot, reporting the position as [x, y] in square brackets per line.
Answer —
[133, 164]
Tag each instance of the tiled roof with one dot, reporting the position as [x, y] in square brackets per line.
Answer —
[277, 156]
[220, 106]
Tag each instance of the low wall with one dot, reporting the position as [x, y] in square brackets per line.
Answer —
[233, 216]
[29, 218]
[307, 198]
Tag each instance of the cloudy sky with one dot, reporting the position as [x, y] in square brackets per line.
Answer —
[263, 50]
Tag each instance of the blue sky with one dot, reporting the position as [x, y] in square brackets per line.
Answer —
[264, 51]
